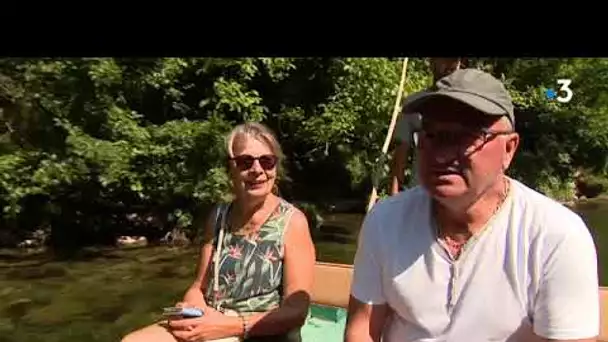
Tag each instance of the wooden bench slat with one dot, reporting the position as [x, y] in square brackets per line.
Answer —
[332, 284]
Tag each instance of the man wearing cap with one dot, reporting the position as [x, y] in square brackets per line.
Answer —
[407, 124]
[471, 254]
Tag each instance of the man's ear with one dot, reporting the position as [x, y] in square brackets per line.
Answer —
[511, 145]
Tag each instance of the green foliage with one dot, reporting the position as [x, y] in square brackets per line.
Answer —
[84, 142]
[557, 138]
[105, 151]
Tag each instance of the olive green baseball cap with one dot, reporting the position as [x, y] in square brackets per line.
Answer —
[472, 87]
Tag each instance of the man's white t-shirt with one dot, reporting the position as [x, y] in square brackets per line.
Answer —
[533, 269]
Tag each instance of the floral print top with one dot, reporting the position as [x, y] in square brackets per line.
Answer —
[251, 266]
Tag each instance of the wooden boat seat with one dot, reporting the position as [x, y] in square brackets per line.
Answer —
[603, 314]
[331, 287]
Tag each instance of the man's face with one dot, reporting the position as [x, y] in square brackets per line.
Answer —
[462, 151]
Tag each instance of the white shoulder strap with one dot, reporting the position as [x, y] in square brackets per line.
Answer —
[218, 212]
[218, 250]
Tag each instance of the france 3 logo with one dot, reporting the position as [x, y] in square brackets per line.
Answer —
[563, 94]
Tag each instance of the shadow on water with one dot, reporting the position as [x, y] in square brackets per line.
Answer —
[595, 214]
[335, 229]
[342, 228]
[86, 254]
[337, 237]
[36, 272]
[347, 222]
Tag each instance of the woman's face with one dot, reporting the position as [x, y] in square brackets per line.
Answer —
[253, 167]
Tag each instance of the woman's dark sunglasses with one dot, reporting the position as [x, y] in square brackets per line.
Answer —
[245, 161]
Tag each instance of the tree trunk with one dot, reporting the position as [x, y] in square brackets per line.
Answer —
[441, 67]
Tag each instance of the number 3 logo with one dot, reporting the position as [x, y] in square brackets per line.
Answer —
[565, 88]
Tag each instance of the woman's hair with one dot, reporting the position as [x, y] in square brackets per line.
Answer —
[259, 132]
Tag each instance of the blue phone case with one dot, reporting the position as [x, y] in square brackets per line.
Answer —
[192, 312]
[183, 312]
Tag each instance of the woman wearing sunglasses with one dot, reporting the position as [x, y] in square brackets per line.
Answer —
[257, 260]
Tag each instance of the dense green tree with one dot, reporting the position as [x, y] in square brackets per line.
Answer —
[96, 147]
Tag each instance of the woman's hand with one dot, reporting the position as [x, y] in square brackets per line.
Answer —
[212, 325]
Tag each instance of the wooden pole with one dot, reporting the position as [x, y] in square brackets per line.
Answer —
[389, 135]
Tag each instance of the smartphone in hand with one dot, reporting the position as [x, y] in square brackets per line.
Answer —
[178, 312]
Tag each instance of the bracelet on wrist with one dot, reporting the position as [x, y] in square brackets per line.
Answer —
[245, 326]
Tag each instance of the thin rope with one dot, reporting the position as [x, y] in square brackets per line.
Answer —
[389, 135]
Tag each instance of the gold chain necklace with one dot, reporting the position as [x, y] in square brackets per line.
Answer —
[455, 248]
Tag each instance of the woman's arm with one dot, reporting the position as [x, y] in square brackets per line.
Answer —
[194, 295]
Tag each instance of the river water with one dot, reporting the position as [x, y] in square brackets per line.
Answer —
[337, 239]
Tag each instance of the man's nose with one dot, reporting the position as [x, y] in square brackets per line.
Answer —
[444, 155]
[441, 157]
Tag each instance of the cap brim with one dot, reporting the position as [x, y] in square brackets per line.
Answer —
[416, 101]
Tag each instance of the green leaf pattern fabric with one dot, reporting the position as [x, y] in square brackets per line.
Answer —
[251, 267]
